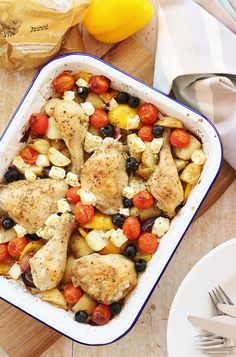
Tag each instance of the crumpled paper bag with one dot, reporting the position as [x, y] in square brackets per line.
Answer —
[33, 31]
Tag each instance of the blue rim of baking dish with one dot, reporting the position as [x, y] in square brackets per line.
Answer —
[176, 247]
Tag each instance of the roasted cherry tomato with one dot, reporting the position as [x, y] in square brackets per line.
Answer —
[72, 294]
[143, 200]
[3, 252]
[179, 138]
[131, 228]
[63, 82]
[84, 213]
[148, 113]
[29, 155]
[99, 84]
[145, 133]
[16, 245]
[148, 243]
[39, 123]
[99, 118]
[72, 195]
[101, 314]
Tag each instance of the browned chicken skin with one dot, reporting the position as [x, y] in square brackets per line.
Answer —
[106, 278]
[104, 174]
[30, 203]
[164, 184]
[73, 125]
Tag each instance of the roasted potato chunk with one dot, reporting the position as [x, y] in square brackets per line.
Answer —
[191, 174]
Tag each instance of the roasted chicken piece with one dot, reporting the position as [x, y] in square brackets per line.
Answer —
[30, 203]
[73, 125]
[164, 183]
[105, 176]
[48, 264]
[106, 278]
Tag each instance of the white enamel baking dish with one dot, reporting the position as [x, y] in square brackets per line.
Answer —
[34, 99]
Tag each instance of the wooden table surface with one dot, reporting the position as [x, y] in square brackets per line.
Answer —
[148, 337]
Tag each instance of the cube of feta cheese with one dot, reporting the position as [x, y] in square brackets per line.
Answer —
[46, 232]
[124, 211]
[63, 206]
[30, 175]
[81, 83]
[135, 143]
[96, 240]
[118, 238]
[198, 157]
[128, 192]
[72, 179]
[52, 220]
[156, 145]
[43, 160]
[112, 104]
[137, 184]
[92, 142]
[20, 231]
[57, 173]
[133, 123]
[161, 226]
[69, 95]
[88, 108]
[87, 198]
[15, 271]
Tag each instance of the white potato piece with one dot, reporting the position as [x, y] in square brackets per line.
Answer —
[79, 246]
[191, 173]
[53, 131]
[57, 158]
[149, 159]
[198, 157]
[40, 145]
[21, 166]
[7, 235]
[55, 297]
[170, 122]
[50, 106]
[96, 240]
[180, 164]
[186, 153]
[85, 303]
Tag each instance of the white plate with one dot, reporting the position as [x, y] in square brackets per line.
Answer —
[218, 267]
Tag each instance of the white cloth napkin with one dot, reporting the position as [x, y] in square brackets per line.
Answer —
[196, 58]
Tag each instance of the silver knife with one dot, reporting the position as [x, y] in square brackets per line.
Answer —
[224, 326]
[227, 309]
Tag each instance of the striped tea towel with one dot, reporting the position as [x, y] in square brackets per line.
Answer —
[196, 57]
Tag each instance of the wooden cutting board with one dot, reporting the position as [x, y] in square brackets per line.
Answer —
[20, 335]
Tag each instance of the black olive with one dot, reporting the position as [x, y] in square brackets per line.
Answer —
[107, 131]
[118, 219]
[140, 265]
[157, 130]
[127, 202]
[133, 102]
[122, 98]
[8, 223]
[12, 175]
[82, 92]
[27, 279]
[130, 251]
[131, 164]
[81, 316]
[33, 236]
[115, 308]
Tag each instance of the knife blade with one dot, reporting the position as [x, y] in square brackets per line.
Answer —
[224, 326]
[227, 309]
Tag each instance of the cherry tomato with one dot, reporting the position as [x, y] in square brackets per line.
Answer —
[84, 213]
[72, 294]
[148, 243]
[72, 195]
[101, 314]
[63, 82]
[99, 84]
[143, 200]
[179, 138]
[145, 133]
[131, 228]
[99, 118]
[3, 252]
[148, 113]
[16, 245]
[39, 123]
[29, 155]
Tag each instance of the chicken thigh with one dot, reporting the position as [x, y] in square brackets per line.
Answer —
[73, 125]
[164, 184]
[106, 278]
[105, 176]
[30, 203]
[48, 264]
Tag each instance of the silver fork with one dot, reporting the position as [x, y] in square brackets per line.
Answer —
[208, 342]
